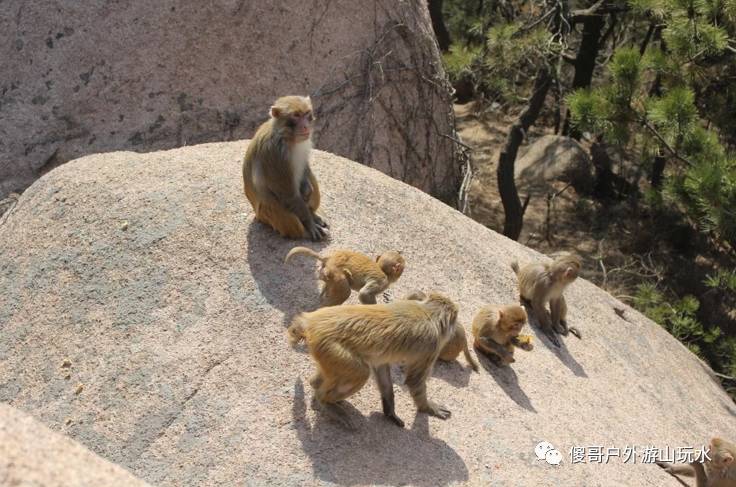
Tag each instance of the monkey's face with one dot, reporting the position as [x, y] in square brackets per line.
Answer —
[293, 116]
[513, 319]
[392, 264]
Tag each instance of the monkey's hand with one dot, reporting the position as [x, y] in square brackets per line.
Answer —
[319, 221]
[523, 342]
[316, 232]
[496, 348]
[434, 409]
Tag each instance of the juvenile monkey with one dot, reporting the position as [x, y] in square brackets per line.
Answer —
[343, 270]
[719, 471]
[540, 284]
[278, 181]
[457, 343]
[347, 342]
[497, 329]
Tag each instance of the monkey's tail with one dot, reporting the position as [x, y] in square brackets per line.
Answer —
[304, 251]
[575, 332]
[470, 358]
[295, 332]
[515, 267]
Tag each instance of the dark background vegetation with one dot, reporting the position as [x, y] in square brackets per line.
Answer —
[649, 88]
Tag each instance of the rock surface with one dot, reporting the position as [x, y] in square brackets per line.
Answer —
[78, 78]
[551, 158]
[32, 455]
[142, 305]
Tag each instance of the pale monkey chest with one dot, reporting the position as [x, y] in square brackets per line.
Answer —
[299, 161]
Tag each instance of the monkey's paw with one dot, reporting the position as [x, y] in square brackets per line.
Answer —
[437, 410]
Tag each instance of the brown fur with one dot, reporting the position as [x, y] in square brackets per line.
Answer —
[458, 343]
[541, 283]
[343, 270]
[719, 471]
[347, 342]
[278, 181]
[496, 330]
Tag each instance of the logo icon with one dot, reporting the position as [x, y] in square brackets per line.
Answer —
[545, 451]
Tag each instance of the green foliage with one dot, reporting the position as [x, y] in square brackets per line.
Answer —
[678, 316]
[460, 60]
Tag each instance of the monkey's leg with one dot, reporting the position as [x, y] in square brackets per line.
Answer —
[701, 480]
[280, 219]
[496, 352]
[386, 387]
[558, 310]
[416, 381]
[342, 376]
[367, 294]
[544, 321]
[335, 292]
[313, 199]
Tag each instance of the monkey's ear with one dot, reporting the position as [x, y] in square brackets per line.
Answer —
[275, 112]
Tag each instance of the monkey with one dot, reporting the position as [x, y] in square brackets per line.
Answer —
[343, 270]
[718, 471]
[348, 342]
[496, 332]
[458, 342]
[278, 182]
[542, 283]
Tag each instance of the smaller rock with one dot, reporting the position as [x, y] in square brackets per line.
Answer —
[79, 389]
[66, 363]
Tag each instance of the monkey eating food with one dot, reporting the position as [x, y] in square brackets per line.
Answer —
[343, 270]
[278, 181]
[347, 342]
[497, 329]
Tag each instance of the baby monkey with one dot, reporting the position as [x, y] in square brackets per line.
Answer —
[718, 471]
[458, 342]
[540, 284]
[497, 332]
[343, 270]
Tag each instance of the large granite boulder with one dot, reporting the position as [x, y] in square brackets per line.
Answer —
[143, 314]
[84, 77]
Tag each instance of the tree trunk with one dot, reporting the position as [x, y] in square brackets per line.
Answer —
[438, 24]
[585, 62]
[513, 210]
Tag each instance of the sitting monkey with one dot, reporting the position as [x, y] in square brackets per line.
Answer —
[496, 330]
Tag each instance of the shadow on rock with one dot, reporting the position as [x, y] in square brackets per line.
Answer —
[378, 452]
[506, 378]
[561, 352]
[455, 373]
[291, 288]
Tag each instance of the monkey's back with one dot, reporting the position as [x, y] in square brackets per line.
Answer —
[529, 276]
[377, 332]
[362, 267]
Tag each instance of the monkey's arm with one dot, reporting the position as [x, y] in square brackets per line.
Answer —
[295, 204]
[495, 347]
[367, 294]
[311, 195]
[386, 387]
[701, 480]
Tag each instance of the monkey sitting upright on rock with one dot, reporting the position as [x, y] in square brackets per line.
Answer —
[540, 284]
[278, 181]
